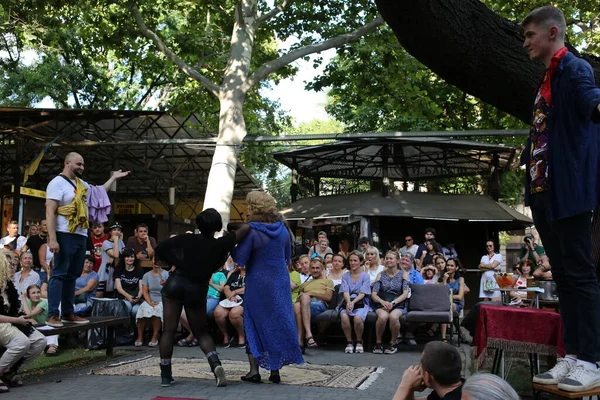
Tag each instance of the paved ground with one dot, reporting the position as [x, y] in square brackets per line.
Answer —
[79, 385]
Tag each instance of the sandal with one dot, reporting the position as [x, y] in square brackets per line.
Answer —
[4, 389]
[390, 349]
[194, 343]
[313, 344]
[10, 379]
[349, 348]
[138, 344]
[378, 349]
[359, 348]
[444, 340]
[51, 352]
[185, 342]
[152, 344]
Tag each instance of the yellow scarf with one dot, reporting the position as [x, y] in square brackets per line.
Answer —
[77, 211]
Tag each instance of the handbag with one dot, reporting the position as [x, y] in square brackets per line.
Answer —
[385, 296]
[490, 285]
[357, 305]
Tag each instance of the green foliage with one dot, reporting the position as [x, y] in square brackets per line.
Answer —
[375, 85]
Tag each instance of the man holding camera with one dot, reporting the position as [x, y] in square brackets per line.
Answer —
[531, 250]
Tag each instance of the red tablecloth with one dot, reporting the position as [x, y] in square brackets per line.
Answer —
[518, 329]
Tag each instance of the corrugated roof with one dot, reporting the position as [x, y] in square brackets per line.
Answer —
[435, 206]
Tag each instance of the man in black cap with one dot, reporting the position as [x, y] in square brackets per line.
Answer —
[111, 249]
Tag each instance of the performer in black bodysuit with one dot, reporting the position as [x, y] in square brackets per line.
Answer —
[196, 258]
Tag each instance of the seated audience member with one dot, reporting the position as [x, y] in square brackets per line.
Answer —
[363, 244]
[46, 258]
[328, 261]
[488, 387]
[524, 269]
[97, 238]
[388, 297]
[216, 286]
[409, 246]
[142, 243]
[111, 252]
[317, 247]
[337, 271]
[36, 308]
[20, 340]
[128, 281]
[356, 289]
[426, 256]
[456, 283]
[322, 249]
[440, 370]
[489, 264]
[429, 275]
[295, 282]
[531, 250]
[304, 265]
[312, 301]
[85, 286]
[439, 262]
[373, 265]
[344, 247]
[13, 241]
[26, 276]
[449, 251]
[544, 269]
[234, 290]
[410, 273]
[151, 309]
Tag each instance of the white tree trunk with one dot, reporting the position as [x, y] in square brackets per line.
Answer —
[221, 178]
[232, 126]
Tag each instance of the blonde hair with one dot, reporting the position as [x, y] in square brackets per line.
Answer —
[262, 207]
[5, 268]
[375, 250]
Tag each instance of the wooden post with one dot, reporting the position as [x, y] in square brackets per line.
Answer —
[17, 179]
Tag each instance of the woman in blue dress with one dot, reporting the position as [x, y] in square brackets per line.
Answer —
[356, 289]
[268, 312]
[456, 283]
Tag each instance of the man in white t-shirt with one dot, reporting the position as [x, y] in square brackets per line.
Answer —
[409, 246]
[489, 264]
[13, 241]
[68, 245]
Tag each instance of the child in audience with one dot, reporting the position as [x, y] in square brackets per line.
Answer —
[36, 308]
[429, 274]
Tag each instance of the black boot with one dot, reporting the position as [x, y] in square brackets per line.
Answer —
[166, 375]
[218, 370]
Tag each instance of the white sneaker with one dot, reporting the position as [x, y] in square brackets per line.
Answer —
[580, 379]
[559, 371]
[349, 349]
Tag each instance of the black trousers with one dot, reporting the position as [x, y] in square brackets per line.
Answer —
[568, 245]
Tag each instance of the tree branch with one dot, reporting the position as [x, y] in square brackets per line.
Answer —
[293, 55]
[276, 10]
[183, 66]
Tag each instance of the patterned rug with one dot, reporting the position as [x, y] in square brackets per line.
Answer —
[334, 376]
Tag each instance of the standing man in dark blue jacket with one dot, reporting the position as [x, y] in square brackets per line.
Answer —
[562, 158]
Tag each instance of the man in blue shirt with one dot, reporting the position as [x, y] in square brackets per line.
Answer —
[562, 189]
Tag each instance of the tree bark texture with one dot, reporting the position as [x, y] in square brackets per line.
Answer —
[472, 48]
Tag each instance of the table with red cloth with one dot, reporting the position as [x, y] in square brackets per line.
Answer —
[522, 330]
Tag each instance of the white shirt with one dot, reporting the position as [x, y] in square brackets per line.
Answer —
[32, 279]
[489, 275]
[412, 249]
[21, 240]
[449, 253]
[373, 273]
[62, 191]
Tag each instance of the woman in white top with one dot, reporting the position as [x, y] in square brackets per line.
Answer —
[337, 270]
[372, 263]
[26, 276]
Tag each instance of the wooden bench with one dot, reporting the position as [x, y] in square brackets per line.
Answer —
[553, 389]
[95, 322]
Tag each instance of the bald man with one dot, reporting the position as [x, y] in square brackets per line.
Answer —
[68, 245]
